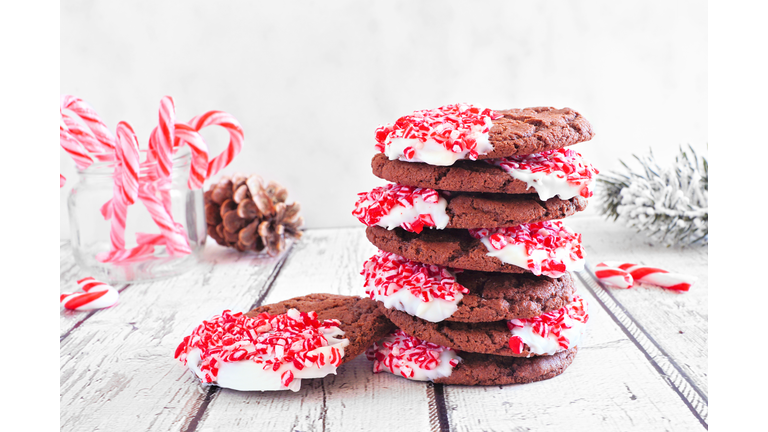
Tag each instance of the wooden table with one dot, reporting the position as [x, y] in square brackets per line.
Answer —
[643, 365]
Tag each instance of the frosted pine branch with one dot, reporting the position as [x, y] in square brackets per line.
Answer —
[670, 204]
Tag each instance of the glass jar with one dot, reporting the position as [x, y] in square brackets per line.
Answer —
[90, 232]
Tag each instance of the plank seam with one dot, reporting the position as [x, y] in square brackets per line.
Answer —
[438, 416]
[673, 375]
[192, 426]
[90, 314]
[324, 412]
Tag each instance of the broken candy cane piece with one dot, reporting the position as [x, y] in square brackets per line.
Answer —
[654, 276]
[613, 276]
[95, 295]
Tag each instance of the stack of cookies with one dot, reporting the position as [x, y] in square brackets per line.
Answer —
[474, 263]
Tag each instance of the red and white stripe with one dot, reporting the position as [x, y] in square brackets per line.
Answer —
[236, 136]
[176, 242]
[139, 253]
[74, 148]
[163, 137]
[653, 276]
[128, 159]
[79, 131]
[198, 170]
[100, 131]
[126, 183]
[94, 294]
[614, 277]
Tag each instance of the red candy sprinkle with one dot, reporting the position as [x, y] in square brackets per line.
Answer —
[548, 236]
[268, 340]
[516, 344]
[550, 323]
[450, 125]
[577, 171]
[374, 205]
[397, 350]
[388, 273]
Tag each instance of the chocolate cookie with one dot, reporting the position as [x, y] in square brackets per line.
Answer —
[496, 210]
[483, 369]
[463, 176]
[361, 320]
[485, 338]
[449, 247]
[498, 296]
[534, 130]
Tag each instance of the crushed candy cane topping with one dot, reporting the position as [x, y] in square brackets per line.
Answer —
[270, 341]
[551, 325]
[386, 273]
[454, 127]
[564, 164]
[374, 206]
[412, 358]
[551, 241]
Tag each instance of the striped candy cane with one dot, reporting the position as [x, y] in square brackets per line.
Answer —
[199, 167]
[139, 253]
[126, 182]
[161, 150]
[655, 276]
[95, 295]
[74, 148]
[163, 137]
[614, 277]
[220, 118]
[82, 131]
[176, 241]
[100, 131]
[85, 137]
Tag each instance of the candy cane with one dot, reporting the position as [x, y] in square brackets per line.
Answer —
[74, 148]
[85, 136]
[90, 118]
[95, 295]
[139, 253]
[82, 131]
[177, 242]
[164, 135]
[199, 166]
[220, 118]
[659, 277]
[614, 277]
[126, 182]
[655, 276]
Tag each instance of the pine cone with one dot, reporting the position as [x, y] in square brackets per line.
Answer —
[241, 213]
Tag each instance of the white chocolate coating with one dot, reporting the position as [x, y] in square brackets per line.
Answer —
[435, 310]
[433, 153]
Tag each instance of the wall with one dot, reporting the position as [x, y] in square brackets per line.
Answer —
[311, 80]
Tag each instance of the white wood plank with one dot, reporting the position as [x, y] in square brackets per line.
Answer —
[677, 321]
[118, 371]
[355, 398]
[330, 260]
[610, 386]
[117, 368]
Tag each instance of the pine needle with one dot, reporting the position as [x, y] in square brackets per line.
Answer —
[670, 204]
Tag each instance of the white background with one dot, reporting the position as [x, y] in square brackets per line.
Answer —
[311, 80]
